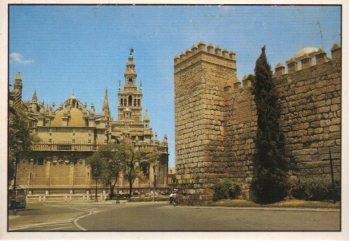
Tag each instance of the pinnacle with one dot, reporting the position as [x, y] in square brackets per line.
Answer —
[18, 76]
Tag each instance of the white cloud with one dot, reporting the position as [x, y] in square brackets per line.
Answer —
[18, 58]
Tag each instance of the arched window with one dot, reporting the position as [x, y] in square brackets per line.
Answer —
[130, 80]
[139, 102]
[121, 101]
[130, 100]
[134, 102]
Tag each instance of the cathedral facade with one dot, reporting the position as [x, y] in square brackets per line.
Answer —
[70, 133]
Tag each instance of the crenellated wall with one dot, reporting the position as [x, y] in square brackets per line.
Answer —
[216, 119]
[201, 75]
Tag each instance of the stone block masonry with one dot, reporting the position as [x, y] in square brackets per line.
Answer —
[201, 75]
[216, 118]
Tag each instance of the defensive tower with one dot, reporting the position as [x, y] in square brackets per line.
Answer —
[202, 74]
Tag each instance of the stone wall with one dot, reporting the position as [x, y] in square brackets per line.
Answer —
[59, 175]
[200, 77]
[216, 119]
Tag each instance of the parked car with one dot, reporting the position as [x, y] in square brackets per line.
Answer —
[17, 198]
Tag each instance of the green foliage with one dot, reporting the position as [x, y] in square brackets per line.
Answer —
[316, 189]
[269, 186]
[269, 183]
[132, 156]
[19, 138]
[225, 189]
[111, 159]
[105, 165]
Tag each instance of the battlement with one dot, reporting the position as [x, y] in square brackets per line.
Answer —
[209, 50]
[306, 58]
[216, 117]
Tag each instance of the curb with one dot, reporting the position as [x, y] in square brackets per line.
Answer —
[268, 208]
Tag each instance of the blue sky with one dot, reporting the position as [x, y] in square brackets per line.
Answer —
[83, 49]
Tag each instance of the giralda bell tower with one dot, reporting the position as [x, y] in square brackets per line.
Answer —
[130, 121]
[130, 98]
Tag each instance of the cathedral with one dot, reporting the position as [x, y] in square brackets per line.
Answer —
[69, 133]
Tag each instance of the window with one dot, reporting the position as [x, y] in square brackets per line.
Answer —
[130, 80]
[121, 102]
[139, 102]
[130, 100]
[145, 168]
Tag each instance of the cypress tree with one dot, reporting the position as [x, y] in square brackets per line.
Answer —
[269, 183]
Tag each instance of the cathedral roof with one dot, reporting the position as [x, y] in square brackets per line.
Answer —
[76, 118]
[74, 110]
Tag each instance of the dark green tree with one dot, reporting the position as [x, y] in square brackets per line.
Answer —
[20, 139]
[270, 180]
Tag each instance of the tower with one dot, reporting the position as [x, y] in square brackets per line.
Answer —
[106, 113]
[130, 97]
[34, 102]
[202, 77]
[17, 88]
[106, 110]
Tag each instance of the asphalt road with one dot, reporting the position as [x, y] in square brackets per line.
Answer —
[163, 217]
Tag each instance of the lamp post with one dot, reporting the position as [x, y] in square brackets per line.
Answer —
[332, 176]
[154, 184]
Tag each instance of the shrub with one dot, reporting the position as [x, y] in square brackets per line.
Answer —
[316, 189]
[226, 189]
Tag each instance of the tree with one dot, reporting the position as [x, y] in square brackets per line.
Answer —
[111, 159]
[131, 157]
[269, 183]
[20, 139]
[106, 165]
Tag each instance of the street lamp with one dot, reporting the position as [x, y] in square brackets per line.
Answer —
[154, 184]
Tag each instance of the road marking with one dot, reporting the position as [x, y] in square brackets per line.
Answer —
[91, 212]
[75, 221]
[41, 224]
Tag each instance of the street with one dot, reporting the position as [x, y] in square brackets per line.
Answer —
[162, 217]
